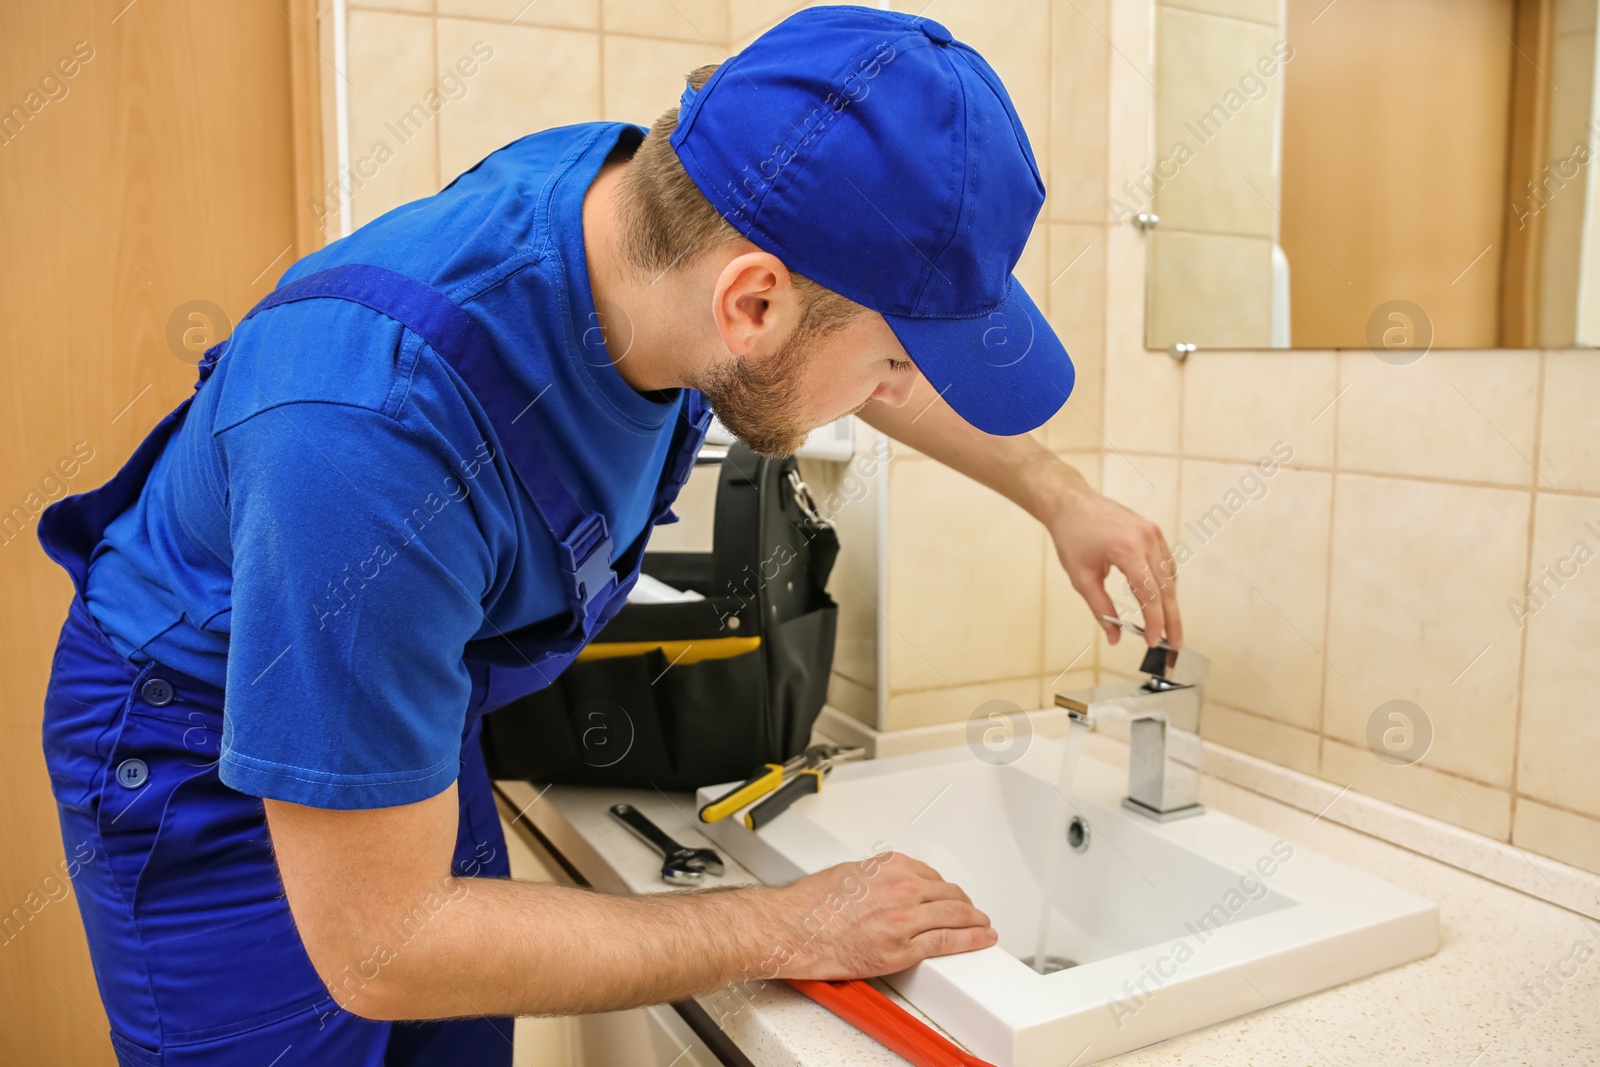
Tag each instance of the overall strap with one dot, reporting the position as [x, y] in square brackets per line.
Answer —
[583, 541]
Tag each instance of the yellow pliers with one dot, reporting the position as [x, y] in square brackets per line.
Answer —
[766, 779]
[802, 783]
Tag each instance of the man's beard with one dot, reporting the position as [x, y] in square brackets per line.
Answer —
[759, 401]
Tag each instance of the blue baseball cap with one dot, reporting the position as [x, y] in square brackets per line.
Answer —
[878, 156]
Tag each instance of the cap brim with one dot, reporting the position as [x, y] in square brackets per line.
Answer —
[1005, 372]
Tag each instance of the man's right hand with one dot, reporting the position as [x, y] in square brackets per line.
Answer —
[874, 917]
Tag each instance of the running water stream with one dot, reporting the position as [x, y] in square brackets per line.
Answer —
[1056, 829]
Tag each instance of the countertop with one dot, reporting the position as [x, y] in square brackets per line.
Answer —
[1516, 980]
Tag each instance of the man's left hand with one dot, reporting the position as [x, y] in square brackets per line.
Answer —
[1093, 534]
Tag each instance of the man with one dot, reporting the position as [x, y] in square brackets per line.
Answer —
[420, 476]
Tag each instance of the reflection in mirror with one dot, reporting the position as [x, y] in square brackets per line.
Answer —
[1369, 174]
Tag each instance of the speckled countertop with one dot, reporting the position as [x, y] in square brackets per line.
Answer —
[1516, 980]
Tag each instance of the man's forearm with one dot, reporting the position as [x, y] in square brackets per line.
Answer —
[1018, 468]
[498, 947]
[394, 938]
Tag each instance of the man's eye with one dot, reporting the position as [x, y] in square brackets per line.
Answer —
[901, 364]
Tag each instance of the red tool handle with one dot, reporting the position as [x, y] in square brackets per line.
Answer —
[868, 1010]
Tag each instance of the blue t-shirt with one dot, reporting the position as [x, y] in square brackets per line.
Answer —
[333, 522]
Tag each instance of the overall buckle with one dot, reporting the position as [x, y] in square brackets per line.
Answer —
[585, 557]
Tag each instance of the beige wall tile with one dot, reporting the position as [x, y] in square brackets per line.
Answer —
[1080, 111]
[1132, 80]
[1075, 301]
[771, 12]
[957, 703]
[849, 496]
[1210, 290]
[1452, 414]
[1237, 405]
[1420, 576]
[1253, 553]
[538, 78]
[644, 78]
[569, 14]
[1260, 737]
[854, 699]
[753, 17]
[1143, 390]
[965, 589]
[696, 507]
[1215, 122]
[1559, 754]
[413, 6]
[1069, 626]
[1569, 445]
[855, 589]
[394, 152]
[702, 21]
[1263, 11]
[1561, 835]
[1148, 485]
[1468, 805]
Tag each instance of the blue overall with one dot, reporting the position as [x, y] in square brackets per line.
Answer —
[195, 951]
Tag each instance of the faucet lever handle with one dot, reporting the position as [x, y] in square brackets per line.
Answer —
[1158, 660]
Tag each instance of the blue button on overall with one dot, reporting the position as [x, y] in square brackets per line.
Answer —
[157, 692]
[132, 773]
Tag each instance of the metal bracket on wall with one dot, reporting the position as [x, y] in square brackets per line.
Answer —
[1147, 220]
[1180, 351]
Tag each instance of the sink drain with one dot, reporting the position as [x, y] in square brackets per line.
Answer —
[1078, 834]
[1052, 964]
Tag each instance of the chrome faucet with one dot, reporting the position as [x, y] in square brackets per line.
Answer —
[1163, 715]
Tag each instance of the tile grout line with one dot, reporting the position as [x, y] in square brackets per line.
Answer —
[1315, 468]
[1203, 13]
[1264, 717]
[1327, 578]
[483, 19]
[1527, 575]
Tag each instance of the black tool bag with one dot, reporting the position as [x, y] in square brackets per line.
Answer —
[688, 694]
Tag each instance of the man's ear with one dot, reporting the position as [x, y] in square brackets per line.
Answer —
[754, 303]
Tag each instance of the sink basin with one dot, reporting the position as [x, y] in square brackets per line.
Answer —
[1159, 928]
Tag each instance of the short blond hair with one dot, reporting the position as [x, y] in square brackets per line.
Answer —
[668, 220]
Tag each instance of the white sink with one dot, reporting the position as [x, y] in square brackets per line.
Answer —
[1172, 926]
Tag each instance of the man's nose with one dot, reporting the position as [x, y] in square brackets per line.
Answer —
[895, 389]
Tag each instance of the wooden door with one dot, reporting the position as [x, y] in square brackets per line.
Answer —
[1396, 117]
[147, 179]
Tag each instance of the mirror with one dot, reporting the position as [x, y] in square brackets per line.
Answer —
[1367, 174]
